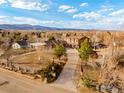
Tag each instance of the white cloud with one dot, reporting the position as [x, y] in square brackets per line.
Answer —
[105, 18]
[104, 10]
[84, 4]
[2, 1]
[26, 20]
[105, 23]
[67, 9]
[87, 15]
[71, 11]
[64, 7]
[29, 5]
[91, 20]
[1, 16]
[18, 20]
[117, 13]
[10, 0]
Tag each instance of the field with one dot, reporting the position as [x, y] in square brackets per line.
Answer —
[34, 59]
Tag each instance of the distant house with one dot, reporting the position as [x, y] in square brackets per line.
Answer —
[75, 41]
[20, 44]
[99, 45]
[52, 43]
[16, 46]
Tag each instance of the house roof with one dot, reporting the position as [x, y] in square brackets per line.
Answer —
[22, 43]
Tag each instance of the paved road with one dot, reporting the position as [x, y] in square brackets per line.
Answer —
[17, 83]
[66, 78]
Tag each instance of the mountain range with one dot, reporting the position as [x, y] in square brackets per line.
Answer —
[29, 27]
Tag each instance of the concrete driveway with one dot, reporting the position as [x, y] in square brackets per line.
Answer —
[66, 78]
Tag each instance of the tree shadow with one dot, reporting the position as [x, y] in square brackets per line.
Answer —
[4, 83]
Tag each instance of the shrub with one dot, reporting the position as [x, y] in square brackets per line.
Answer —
[87, 81]
[59, 50]
[51, 72]
[86, 50]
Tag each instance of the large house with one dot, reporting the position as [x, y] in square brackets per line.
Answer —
[20, 44]
[75, 41]
[15, 45]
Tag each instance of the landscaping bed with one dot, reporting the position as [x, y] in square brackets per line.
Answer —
[89, 78]
[51, 72]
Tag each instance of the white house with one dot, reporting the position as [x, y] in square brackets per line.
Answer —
[20, 44]
[16, 46]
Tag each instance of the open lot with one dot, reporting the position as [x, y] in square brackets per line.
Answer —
[34, 59]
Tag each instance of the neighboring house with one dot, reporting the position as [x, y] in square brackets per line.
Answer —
[16, 46]
[72, 41]
[75, 41]
[52, 43]
[20, 44]
[99, 46]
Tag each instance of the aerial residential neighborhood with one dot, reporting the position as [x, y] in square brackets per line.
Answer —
[61, 46]
[72, 60]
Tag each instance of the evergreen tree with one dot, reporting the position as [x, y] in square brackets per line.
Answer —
[59, 50]
[85, 50]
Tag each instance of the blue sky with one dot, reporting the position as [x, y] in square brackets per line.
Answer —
[81, 14]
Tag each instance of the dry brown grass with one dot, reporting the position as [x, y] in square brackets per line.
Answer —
[87, 90]
[32, 60]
